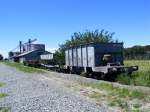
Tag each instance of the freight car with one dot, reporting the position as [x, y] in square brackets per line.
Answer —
[104, 60]
[100, 60]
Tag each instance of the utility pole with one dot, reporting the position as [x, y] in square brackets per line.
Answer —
[20, 46]
[29, 46]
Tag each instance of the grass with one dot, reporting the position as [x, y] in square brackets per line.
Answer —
[23, 68]
[139, 78]
[2, 84]
[116, 96]
[119, 92]
[2, 95]
[143, 64]
[4, 109]
[120, 103]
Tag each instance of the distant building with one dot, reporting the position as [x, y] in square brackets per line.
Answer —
[34, 55]
[29, 52]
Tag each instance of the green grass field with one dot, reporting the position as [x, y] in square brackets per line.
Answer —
[140, 77]
[144, 65]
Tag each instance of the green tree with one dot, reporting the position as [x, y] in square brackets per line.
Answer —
[59, 57]
[79, 38]
[1, 57]
[137, 52]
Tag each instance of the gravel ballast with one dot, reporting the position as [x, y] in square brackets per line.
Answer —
[35, 93]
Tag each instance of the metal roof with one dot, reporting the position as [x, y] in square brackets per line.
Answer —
[26, 53]
[23, 54]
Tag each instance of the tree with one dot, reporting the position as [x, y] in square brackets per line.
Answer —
[79, 38]
[137, 52]
[59, 57]
[1, 57]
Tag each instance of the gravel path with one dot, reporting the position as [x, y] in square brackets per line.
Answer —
[37, 93]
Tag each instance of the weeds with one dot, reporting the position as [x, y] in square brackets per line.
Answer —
[3, 95]
[137, 94]
[140, 78]
[4, 109]
[23, 68]
[116, 91]
[137, 78]
[116, 96]
[96, 95]
[136, 106]
[1, 84]
[120, 103]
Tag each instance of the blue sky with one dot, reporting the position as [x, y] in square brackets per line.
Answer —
[54, 21]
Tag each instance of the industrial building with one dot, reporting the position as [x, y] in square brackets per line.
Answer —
[29, 51]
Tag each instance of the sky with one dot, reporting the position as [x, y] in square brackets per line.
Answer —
[53, 22]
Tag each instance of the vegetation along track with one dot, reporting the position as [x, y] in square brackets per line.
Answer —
[139, 78]
[114, 96]
[2, 95]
